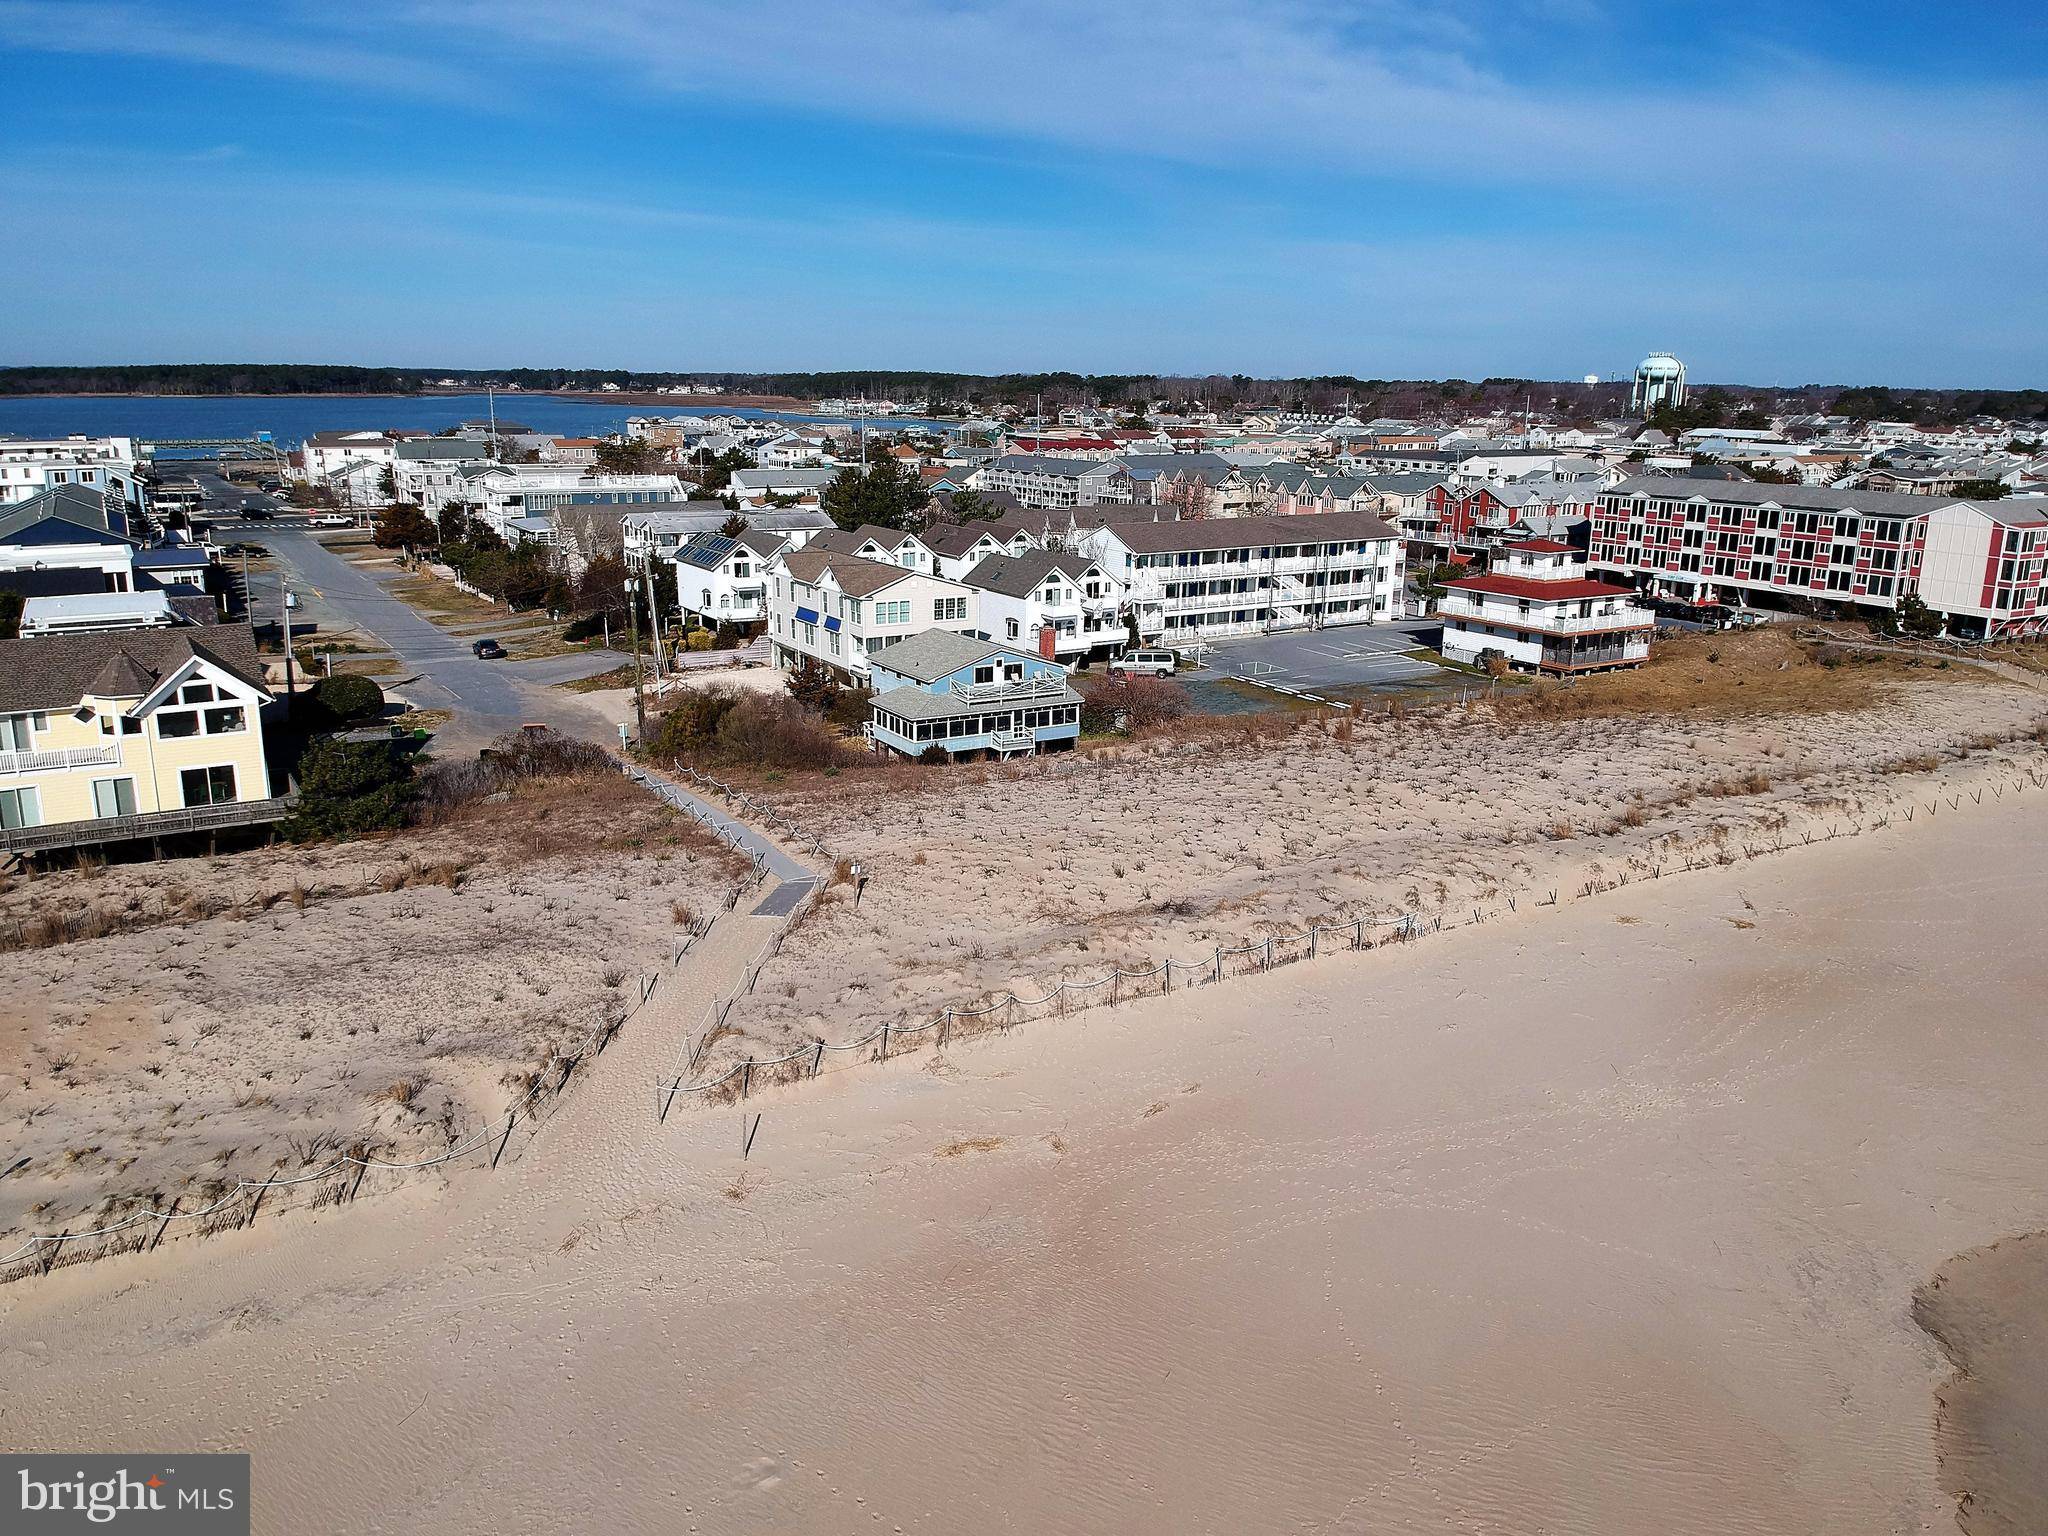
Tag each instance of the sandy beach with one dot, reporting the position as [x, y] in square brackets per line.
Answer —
[168, 1027]
[984, 881]
[1606, 1218]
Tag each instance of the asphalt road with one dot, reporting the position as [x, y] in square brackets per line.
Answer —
[486, 698]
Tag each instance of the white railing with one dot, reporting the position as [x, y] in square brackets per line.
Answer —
[1044, 686]
[1623, 616]
[1012, 741]
[59, 757]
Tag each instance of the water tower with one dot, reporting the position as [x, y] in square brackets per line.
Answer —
[1660, 380]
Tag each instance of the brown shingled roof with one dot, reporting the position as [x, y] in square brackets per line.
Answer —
[56, 671]
[856, 577]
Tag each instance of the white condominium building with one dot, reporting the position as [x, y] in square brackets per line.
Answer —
[1243, 575]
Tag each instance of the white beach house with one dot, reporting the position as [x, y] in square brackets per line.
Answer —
[1536, 609]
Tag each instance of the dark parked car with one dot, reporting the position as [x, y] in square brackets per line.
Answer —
[487, 650]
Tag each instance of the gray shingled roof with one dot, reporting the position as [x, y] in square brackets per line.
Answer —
[431, 448]
[56, 671]
[1021, 575]
[1805, 498]
[1051, 464]
[1208, 467]
[77, 504]
[1238, 532]
[936, 653]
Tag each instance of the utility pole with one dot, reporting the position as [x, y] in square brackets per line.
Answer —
[653, 612]
[639, 697]
[284, 608]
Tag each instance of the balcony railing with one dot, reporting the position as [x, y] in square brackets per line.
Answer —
[59, 757]
[1621, 616]
[1043, 686]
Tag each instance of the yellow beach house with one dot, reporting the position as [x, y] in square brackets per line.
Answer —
[131, 734]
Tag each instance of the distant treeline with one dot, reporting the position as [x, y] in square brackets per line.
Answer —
[1365, 398]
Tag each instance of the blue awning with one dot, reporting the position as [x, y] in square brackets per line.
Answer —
[807, 615]
[832, 624]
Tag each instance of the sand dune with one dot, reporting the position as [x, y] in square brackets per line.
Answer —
[1568, 1223]
[987, 882]
[218, 1018]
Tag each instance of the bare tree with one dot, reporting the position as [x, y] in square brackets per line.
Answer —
[1190, 499]
[592, 531]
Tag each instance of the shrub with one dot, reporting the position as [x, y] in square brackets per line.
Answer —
[814, 687]
[850, 708]
[514, 757]
[771, 732]
[349, 788]
[700, 640]
[1132, 703]
[692, 723]
[348, 697]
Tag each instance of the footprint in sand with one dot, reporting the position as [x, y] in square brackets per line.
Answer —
[761, 1474]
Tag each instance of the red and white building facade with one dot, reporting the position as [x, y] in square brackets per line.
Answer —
[1980, 564]
[1464, 522]
[1985, 565]
[1537, 609]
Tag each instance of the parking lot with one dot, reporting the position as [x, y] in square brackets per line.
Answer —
[1342, 661]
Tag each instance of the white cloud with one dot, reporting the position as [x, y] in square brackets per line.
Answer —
[1402, 88]
[283, 46]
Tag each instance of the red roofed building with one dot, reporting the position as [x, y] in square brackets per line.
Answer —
[1537, 610]
[1072, 445]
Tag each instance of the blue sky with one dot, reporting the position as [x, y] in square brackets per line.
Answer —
[1822, 192]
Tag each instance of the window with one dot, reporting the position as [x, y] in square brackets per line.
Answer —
[197, 693]
[208, 786]
[113, 797]
[949, 609]
[14, 733]
[986, 673]
[20, 808]
[226, 718]
[177, 722]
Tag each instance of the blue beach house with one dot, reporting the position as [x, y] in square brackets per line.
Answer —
[956, 694]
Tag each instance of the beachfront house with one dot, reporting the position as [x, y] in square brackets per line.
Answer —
[134, 733]
[70, 527]
[1536, 609]
[1066, 607]
[838, 609]
[721, 580]
[941, 692]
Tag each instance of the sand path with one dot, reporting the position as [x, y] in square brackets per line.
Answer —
[1568, 1223]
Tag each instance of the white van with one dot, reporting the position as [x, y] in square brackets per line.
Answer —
[1145, 663]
